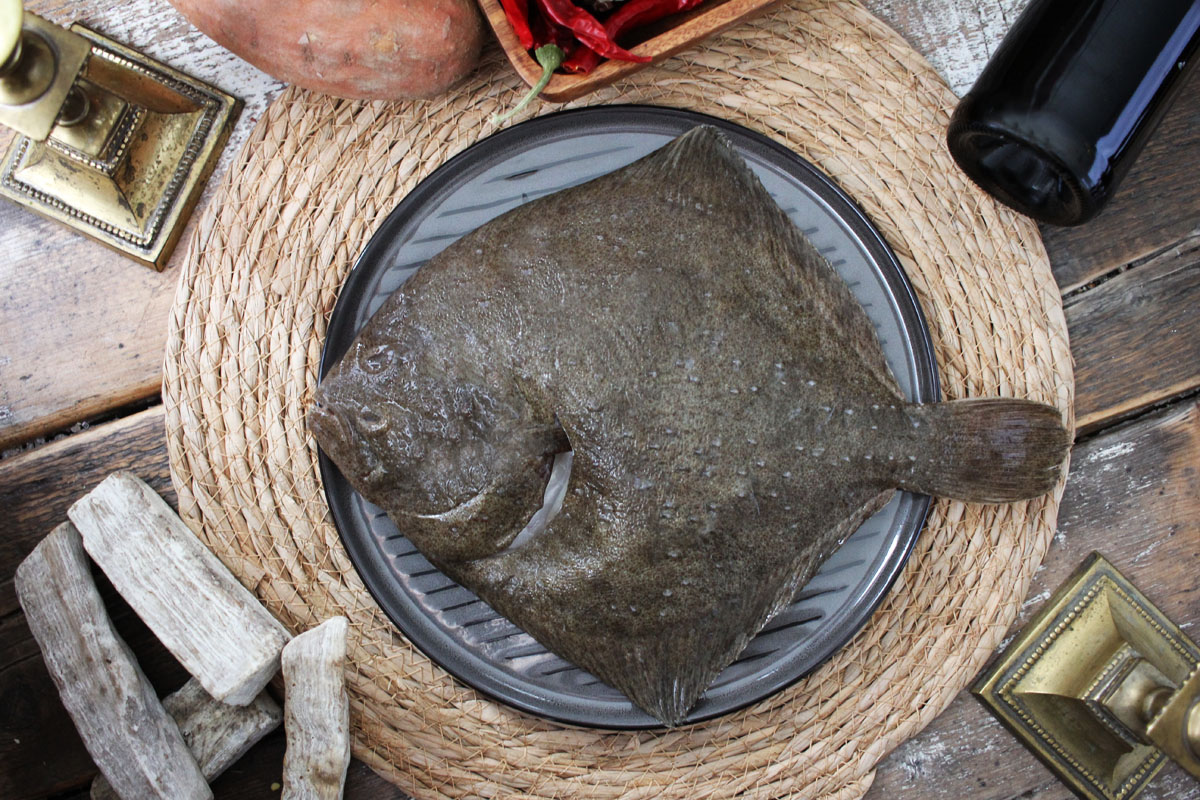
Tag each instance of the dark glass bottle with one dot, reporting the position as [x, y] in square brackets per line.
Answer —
[1068, 100]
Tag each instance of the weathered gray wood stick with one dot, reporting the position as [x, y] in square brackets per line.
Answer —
[217, 733]
[316, 712]
[129, 735]
[216, 628]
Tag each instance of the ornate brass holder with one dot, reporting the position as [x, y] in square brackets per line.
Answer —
[1101, 686]
[113, 144]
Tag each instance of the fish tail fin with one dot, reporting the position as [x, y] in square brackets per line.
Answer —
[994, 450]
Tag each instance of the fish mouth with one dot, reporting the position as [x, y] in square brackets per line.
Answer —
[461, 512]
[335, 436]
[325, 423]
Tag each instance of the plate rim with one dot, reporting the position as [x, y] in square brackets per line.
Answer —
[635, 117]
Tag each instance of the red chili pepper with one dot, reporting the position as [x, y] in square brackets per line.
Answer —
[517, 12]
[587, 29]
[642, 12]
[545, 31]
[583, 60]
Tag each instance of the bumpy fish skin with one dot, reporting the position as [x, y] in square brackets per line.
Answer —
[730, 411]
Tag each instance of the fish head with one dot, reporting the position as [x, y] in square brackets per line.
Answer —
[390, 432]
[406, 435]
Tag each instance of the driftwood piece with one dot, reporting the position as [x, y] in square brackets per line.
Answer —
[316, 713]
[129, 735]
[217, 733]
[36, 489]
[216, 628]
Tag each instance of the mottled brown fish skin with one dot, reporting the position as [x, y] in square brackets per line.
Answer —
[730, 410]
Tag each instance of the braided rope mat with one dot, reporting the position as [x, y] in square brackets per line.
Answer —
[263, 271]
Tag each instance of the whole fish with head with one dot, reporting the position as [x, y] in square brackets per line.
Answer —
[729, 410]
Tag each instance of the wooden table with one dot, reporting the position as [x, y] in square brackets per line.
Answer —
[82, 332]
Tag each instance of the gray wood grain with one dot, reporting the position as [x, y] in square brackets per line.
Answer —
[217, 733]
[1136, 337]
[957, 37]
[196, 607]
[132, 739]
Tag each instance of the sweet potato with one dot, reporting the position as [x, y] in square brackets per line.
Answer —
[365, 49]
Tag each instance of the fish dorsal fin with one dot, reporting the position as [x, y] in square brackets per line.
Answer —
[701, 167]
[700, 162]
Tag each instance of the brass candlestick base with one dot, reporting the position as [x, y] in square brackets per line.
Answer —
[120, 154]
[1100, 686]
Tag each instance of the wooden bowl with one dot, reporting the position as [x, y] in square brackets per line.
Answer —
[659, 41]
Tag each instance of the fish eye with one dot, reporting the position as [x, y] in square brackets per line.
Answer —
[376, 360]
[371, 422]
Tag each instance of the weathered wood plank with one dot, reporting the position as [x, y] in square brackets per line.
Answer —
[217, 733]
[316, 713]
[1133, 494]
[1136, 338]
[957, 37]
[67, 303]
[196, 607]
[41, 753]
[1156, 204]
[37, 487]
[129, 735]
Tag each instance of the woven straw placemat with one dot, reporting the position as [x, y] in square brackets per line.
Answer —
[264, 269]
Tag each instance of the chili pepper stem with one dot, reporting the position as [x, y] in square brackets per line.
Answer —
[550, 57]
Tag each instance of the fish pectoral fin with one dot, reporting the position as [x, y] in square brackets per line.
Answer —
[482, 525]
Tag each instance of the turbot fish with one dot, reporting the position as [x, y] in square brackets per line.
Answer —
[728, 407]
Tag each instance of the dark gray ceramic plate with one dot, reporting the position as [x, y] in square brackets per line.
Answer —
[450, 624]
